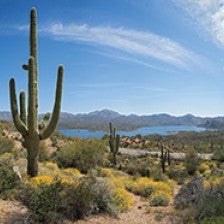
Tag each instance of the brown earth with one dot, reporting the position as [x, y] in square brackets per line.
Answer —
[140, 213]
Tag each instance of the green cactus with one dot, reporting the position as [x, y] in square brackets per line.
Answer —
[26, 122]
[168, 157]
[114, 142]
[163, 156]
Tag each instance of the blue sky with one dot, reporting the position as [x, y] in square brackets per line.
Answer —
[131, 56]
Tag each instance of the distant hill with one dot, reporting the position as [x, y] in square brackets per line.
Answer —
[98, 120]
[5, 116]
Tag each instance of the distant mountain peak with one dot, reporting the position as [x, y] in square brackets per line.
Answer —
[106, 113]
[189, 115]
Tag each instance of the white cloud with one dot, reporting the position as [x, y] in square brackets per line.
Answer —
[138, 44]
[209, 14]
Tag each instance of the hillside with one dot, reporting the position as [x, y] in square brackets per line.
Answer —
[98, 120]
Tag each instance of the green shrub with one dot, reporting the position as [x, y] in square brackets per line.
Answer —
[215, 220]
[91, 196]
[219, 155]
[139, 167]
[211, 205]
[160, 199]
[157, 173]
[212, 201]
[7, 159]
[43, 201]
[83, 155]
[192, 162]
[6, 145]
[52, 200]
[177, 173]
[205, 199]
[9, 181]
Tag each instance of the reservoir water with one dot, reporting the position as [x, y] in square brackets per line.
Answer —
[161, 130]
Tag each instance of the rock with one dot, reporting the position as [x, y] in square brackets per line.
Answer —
[190, 194]
[16, 170]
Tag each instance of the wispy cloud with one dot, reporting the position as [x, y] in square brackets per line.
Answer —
[127, 58]
[209, 14]
[102, 85]
[152, 89]
[137, 44]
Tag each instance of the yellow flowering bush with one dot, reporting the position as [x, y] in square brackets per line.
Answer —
[72, 171]
[117, 181]
[70, 181]
[213, 182]
[122, 198]
[203, 167]
[146, 186]
[206, 184]
[160, 198]
[213, 165]
[105, 172]
[51, 165]
[45, 179]
[207, 173]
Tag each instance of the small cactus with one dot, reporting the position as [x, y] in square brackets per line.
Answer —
[164, 156]
[27, 121]
[114, 142]
[168, 157]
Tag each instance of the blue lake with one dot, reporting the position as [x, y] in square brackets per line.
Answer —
[161, 130]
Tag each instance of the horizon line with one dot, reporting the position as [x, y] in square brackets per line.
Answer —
[129, 114]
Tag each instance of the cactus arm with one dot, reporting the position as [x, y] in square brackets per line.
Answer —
[111, 146]
[32, 99]
[33, 34]
[22, 100]
[117, 143]
[44, 121]
[110, 128]
[20, 126]
[57, 106]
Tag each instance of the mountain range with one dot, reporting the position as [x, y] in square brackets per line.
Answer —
[98, 120]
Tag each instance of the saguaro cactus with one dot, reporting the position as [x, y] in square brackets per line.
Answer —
[26, 121]
[163, 156]
[114, 142]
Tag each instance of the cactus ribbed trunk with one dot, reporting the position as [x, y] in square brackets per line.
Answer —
[32, 99]
[27, 122]
[32, 146]
[114, 159]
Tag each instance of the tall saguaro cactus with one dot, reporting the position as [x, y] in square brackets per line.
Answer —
[26, 121]
[114, 142]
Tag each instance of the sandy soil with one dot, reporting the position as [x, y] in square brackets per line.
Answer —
[140, 213]
[13, 212]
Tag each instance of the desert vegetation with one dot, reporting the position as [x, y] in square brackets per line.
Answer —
[78, 179]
